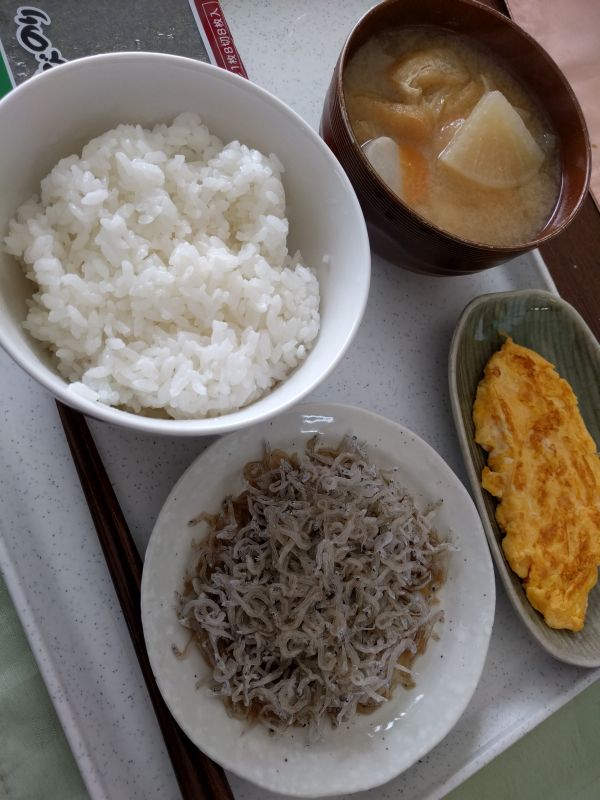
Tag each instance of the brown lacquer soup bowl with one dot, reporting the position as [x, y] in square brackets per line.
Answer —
[399, 233]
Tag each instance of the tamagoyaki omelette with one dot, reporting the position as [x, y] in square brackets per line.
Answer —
[544, 467]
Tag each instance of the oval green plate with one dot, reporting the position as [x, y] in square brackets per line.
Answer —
[545, 323]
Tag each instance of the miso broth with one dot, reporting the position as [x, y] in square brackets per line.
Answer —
[454, 134]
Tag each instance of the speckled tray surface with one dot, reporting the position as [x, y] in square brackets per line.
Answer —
[553, 328]
[397, 367]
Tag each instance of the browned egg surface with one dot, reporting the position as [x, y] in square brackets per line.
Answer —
[544, 468]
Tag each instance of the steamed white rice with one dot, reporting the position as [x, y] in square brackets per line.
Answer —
[164, 280]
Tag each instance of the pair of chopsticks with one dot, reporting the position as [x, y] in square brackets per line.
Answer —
[198, 777]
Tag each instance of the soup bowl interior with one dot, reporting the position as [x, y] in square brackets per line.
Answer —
[52, 116]
[396, 230]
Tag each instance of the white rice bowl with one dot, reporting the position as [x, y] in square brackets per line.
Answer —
[164, 280]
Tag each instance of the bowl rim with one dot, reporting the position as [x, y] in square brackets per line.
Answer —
[342, 417]
[247, 415]
[509, 251]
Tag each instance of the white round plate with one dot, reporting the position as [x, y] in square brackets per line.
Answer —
[376, 747]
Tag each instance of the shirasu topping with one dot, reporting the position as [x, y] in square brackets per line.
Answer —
[313, 591]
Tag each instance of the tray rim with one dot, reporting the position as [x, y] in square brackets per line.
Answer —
[80, 745]
[59, 695]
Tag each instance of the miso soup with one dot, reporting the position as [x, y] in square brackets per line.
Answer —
[452, 133]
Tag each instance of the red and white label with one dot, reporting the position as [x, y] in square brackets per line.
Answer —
[216, 36]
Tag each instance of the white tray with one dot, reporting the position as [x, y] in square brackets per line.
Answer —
[50, 556]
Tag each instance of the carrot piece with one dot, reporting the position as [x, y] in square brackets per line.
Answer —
[415, 174]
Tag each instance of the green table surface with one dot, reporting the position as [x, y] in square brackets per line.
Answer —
[558, 760]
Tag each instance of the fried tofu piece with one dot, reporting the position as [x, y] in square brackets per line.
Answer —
[544, 468]
[429, 70]
[397, 120]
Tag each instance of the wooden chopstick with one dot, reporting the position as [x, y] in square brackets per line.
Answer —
[198, 777]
